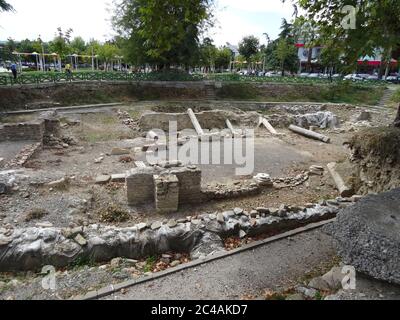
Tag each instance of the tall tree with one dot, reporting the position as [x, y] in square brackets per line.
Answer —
[249, 46]
[284, 51]
[162, 32]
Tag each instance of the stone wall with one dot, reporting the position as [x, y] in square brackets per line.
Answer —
[189, 185]
[166, 193]
[29, 131]
[140, 186]
[146, 185]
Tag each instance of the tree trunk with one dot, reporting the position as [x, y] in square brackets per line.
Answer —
[397, 120]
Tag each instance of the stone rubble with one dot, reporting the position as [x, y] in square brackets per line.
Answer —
[31, 248]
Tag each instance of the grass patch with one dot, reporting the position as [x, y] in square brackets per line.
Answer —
[16, 119]
[101, 127]
[396, 97]
[114, 214]
[150, 262]
[35, 214]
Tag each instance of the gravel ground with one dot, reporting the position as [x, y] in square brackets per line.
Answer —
[272, 267]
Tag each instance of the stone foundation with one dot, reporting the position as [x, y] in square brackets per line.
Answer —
[166, 193]
[144, 185]
[30, 131]
[140, 186]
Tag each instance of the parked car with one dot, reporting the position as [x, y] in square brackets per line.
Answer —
[313, 75]
[353, 77]
[373, 77]
[393, 79]
[304, 75]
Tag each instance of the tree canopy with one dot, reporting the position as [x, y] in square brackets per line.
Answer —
[249, 46]
[376, 26]
[162, 32]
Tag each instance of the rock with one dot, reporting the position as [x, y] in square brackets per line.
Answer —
[119, 152]
[99, 160]
[115, 263]
[3, 188]
[319, 284]
[228, 214]
[242, 234]
[367, 236]
[58, 183]
[196, 222]
[238, 211]
[103, 179]
[334, 278]
[1, 162]
[118, 177]
[142, 226]
[220, 218]
[79, 239]
[253, 214]
[175, 263]
[172, 223]
[362, 116]
[263, 210]
[156, 225]
[307, 292]
[44, 225]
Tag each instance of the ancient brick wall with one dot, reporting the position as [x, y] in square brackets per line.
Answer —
[29, 131]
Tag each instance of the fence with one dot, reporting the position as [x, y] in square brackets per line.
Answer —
[54, 77]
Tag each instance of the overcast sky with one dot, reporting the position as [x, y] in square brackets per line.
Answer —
[90, 19]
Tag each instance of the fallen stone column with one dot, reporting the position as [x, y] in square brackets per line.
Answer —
[340, 184]
[195, 122]
[151, 135]
[267, 125]
[231, 128]
[309, 134]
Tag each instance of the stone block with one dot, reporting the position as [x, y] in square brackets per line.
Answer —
[166, 193]
[140, 186]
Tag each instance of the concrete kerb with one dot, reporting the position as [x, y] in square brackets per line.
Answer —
[105, 105]
[88, 106]
[109, 290]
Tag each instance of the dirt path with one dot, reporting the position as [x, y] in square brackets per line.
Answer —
[274, 266]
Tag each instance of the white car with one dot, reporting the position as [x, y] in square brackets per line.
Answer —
[4, 70]
[353, 77]
[313, 75]
[373, 77]
[304, 75]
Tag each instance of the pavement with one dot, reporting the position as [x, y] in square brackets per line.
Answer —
[275, 266]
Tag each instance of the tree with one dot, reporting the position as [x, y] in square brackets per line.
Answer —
[78, 45]
[207, 54]
[5, 6]
[249, 46]
[61, 43]
[284, 50]
[223, 58]
[376, 26]
[165, 32]
[107, 53]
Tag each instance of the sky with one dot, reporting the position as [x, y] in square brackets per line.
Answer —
[90, 19]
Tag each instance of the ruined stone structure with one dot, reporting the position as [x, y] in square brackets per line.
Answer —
[166, 193]
[47, 125]
[30, 131]
[168, 188]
